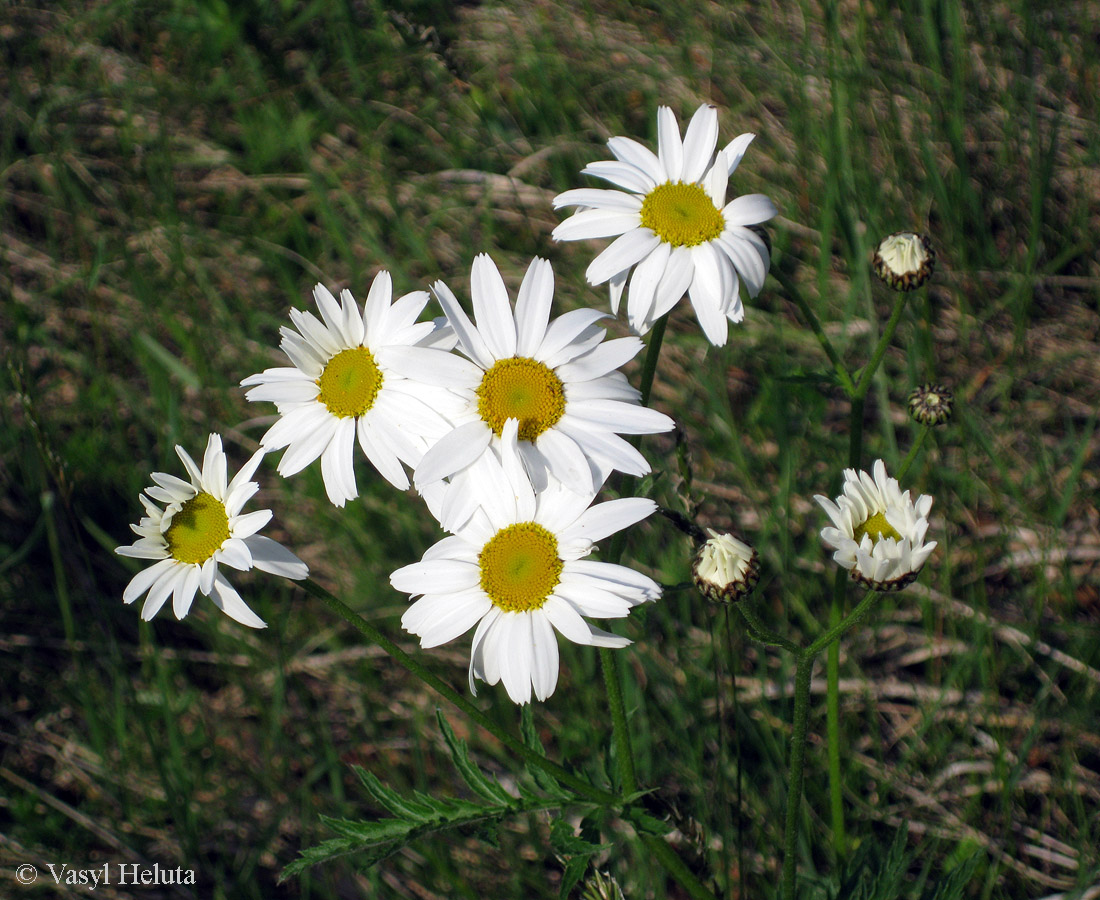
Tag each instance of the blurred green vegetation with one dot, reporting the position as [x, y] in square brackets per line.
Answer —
[177, 175]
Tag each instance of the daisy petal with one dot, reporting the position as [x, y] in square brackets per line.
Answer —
[590, 224]
[624, 252]
[272, 557]
[598, 198]
[492, 308]
[536, 294]
[670, 149]
[227, 599]
[699, 142]
[749, 209]
[453, 452]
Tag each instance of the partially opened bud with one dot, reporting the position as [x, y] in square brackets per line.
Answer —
[877, 531]
[905, 260]
[725, 569]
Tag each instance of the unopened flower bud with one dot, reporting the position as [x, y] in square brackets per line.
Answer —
[725, 569]
[905, 260]
[930, 404]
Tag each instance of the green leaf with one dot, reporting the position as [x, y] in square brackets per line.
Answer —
[336, 847]
[530, 736]
[323, 852]
[572, 873]
[473, 776]
[391, 800]
[369, 832]
[565, 840]
[576, 852]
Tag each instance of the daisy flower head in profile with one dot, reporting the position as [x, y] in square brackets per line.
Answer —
[516, 572]
[344, 385]
[877, 531]
[200, 527]
[558, 377]
[672, 226]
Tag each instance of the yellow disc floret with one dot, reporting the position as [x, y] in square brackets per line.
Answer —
[682, 214]
[877, 527]
[198, 529]
[520, 566]
[350, 382]
[524, 389]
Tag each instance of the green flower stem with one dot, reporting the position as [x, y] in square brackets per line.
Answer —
[609, 662]
[649, 365]
[760, 632]
[832, 719]
[620, 727]
[803, 671]
[846, 624]
[676, 867]
[815, 326]
[832, 661]
[869, 370]
[913, 451]
[832, 658]
[855, 432]
[560, 774]
[795, 773]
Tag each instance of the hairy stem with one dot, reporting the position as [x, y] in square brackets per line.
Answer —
[795, 771]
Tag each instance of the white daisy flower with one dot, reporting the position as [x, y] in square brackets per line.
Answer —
[517, 571]
[201, 526]
[558, 377]
[672, 225]
[345, 385]
[878, 532]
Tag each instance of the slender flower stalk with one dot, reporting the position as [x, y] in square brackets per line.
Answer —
[609, 662]
[795, 774]
[801, 717]
[819, 332]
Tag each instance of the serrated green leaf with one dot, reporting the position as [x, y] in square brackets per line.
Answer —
[572, 874]
[454, 807]
[370, 832]
[567, 842]
[336, 847]
[477, 781]
[545, 782]
[322, 852]
[391, 800]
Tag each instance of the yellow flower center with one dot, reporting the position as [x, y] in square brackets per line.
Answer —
[198, 529]
[350, 382]
[682, 214]
[878, 528]
[520, 566]
[520, 388]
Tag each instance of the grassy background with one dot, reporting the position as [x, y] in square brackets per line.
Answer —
[176, 175]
